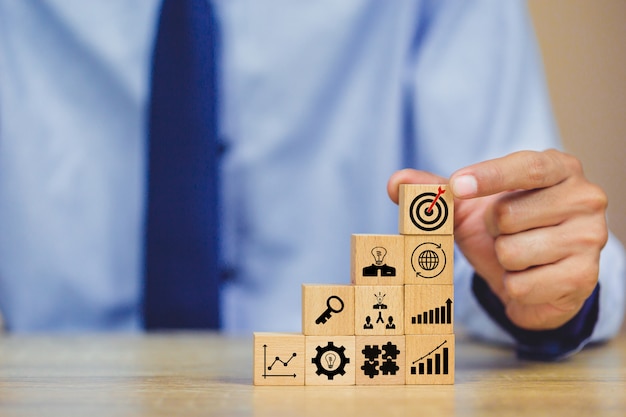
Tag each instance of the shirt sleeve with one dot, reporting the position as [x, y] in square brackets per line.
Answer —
[542, 345]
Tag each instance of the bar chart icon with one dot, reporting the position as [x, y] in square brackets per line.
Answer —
[439, 315]
[430, 364]
[430, 359]
[429, 309]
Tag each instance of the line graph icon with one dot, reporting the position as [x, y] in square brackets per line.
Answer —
[285, 364]
[437, 365]
[430, 359]
[278, 358]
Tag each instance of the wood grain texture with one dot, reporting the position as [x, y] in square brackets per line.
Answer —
[278, 359]
[329, 360]
[429, 259]
[425, 209]
[327, 310]
[430, 359]
[205, 374]
[377, 259]
[381, 360]
[428, 309]
[379, 310]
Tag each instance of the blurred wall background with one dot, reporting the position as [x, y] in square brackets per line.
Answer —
[583, 43]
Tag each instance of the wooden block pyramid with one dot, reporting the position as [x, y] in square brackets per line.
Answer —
[394, 324]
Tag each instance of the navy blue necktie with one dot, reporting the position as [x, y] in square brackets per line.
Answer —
[181, 259]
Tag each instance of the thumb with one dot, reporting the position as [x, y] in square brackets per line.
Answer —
[410, 176]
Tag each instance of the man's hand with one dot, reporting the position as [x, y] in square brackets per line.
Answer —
[532, 226]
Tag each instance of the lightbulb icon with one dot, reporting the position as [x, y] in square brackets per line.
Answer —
[379, 254]
[330, 359]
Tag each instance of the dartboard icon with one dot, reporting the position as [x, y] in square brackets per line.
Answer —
[428, 211]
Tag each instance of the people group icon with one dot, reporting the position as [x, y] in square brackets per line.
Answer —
[369, 325]
[379, 305]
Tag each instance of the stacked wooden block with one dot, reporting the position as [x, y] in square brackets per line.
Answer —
[393, 324]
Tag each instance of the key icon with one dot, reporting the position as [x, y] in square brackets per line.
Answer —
[334, 304]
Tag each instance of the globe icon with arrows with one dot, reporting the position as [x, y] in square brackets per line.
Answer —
[428, 260]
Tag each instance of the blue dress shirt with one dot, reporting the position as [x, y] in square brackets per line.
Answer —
[321, 102]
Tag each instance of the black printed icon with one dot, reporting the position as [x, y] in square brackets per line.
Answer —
[330, 360]
[429, 365]
[380, 306]
[428, 260]
[267, 367]
[372, 366]
[439, 315]
[379, 268]
[429, 211]
[334, 304]
[379, 301]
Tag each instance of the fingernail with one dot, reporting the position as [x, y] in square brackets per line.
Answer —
[464, 186]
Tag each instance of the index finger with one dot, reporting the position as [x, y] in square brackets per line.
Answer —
[523, 170]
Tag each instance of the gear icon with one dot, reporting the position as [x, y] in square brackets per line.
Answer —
[330, 370]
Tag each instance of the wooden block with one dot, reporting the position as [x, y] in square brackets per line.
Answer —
[377, 259]
[381, 360]
[329, 360]
[429, 259]
[327, 310]
[278, 359]
[428, 309]
[426, 209]
[379, 310]
[430, 359]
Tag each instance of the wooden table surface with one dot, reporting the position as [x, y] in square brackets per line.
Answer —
[207, 374]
